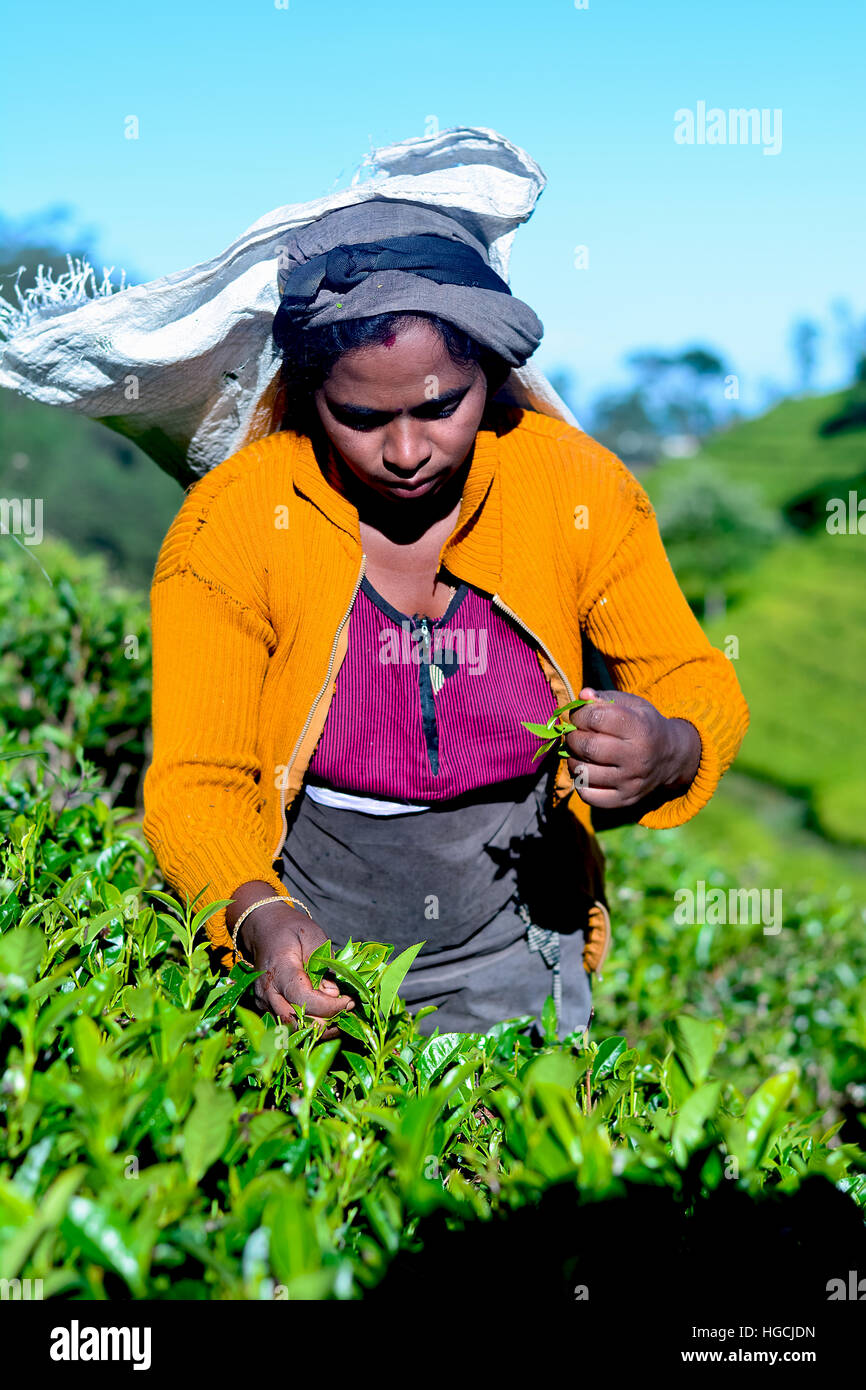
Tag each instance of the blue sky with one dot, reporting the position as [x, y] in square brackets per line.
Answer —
[244, 106]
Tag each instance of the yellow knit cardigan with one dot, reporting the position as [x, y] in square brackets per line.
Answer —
[250, 607]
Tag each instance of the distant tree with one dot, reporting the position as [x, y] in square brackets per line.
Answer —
[805, 336]
[852, 413]
[621, 422]
[680, 388]
[850, 337]
[676, 394]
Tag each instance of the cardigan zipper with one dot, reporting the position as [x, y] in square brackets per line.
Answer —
[315, 704]
[499, 604]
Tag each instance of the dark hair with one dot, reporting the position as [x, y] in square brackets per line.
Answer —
[310, 354]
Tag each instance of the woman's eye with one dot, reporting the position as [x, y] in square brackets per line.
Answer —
[441, 414]
[366, 425]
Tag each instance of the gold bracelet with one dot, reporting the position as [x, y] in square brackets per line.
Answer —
[274, 898]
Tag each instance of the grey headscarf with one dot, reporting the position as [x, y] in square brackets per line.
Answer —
[433, 265]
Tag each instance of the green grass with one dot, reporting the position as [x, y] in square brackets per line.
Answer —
[801, 669]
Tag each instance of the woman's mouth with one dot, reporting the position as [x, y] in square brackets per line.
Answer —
[411, 488]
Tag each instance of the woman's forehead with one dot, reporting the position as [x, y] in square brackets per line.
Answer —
[401, 360]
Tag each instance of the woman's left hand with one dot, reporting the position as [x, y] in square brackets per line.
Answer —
[628, 750]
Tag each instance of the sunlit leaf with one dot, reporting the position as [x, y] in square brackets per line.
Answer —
[394, 976]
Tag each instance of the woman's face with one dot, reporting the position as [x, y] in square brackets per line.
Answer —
[402, 415]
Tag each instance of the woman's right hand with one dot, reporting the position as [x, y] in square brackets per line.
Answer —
[279, 940]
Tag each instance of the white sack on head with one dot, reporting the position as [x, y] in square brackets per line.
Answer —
[186, 366]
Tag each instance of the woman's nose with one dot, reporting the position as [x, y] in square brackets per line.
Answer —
[406, 448]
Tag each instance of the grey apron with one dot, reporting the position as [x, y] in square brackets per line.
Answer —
[473, 878]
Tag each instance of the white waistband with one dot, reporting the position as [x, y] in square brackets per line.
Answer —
[370, 805]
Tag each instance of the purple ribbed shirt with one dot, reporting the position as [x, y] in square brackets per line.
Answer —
[426, 711]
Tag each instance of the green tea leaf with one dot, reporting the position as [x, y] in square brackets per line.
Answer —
[207, 1127]
[104, 1238]
[355, 1027]
[224, 996]
[544, 748]
[394, 976]
[20, 953]
[696, 1042]
[554, 1069]
[689, 1122]
[764, 1114]
[319, 963]
[606, 1058]
[345, 972]
[205, 913]
[573, 704]
[436, 1055]
[170, 903]
[549, 1020]
[318, 1063]
[361, 1068]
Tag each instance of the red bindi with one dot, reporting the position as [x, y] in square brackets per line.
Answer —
[390, 340]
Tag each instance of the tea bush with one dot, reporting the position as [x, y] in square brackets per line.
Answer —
[161, 1140]
[793, 997]
[74, 663]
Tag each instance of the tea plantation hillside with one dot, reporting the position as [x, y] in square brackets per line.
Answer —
[802, 669]
[784, 456]
[99, 491]
[796, 618]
